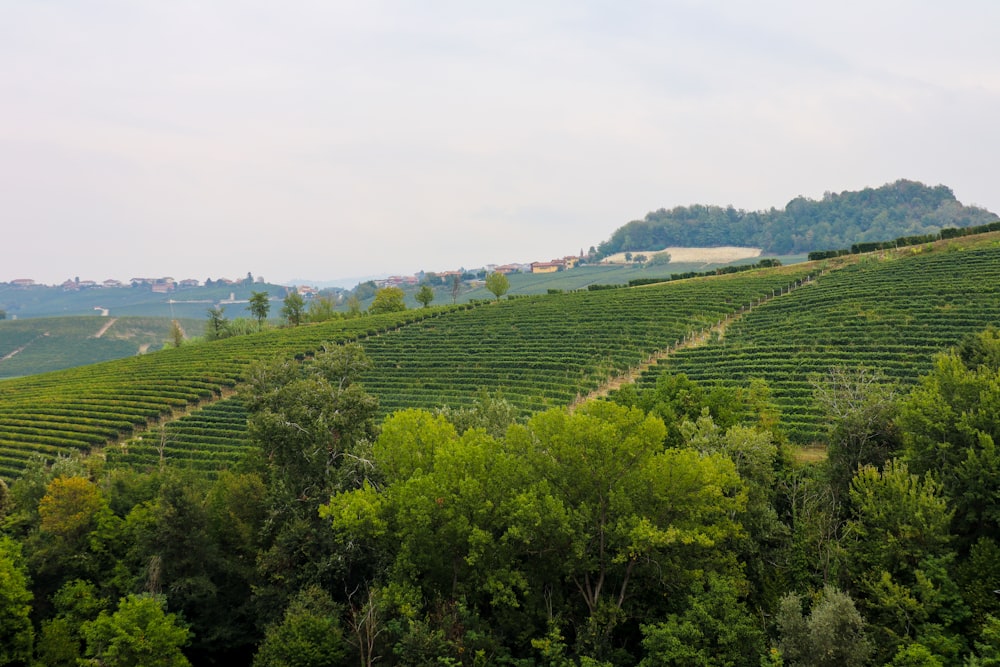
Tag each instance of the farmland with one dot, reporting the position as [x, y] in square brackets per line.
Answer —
[540, 351]
[889, 312]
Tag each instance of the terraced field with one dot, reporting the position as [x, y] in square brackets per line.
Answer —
[540, 351]
[891, 312]
[892, 315]
[79, 408]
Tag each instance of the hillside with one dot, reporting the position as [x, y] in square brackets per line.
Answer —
[903, 208]
[291, 512]
[43, 344]
[889, 311]
[140, 301]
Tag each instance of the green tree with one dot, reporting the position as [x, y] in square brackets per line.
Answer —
[139, 632]
[832, 635]
[497, 284]
[3, 314]
[176, 333]
[259, 306]
[425, 295]
[388, 300]
[899, 556]
[16, 631]
[311, 424]
[292, 308]
[217, 323]
[321, 309]
[456, 287]
[309, 635]
[637, 516]
[861, 408]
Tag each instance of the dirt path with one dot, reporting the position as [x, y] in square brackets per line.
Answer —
[107, 325]
[23, 347]
[693, 339]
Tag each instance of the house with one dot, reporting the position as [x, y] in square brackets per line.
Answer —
[22, 282]
[189, 282]
[164, 285]
[110, 282]
[548, 267]
[508, 269]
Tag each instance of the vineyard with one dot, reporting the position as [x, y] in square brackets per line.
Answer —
[539, 351]
[80, 408]
[890, 314]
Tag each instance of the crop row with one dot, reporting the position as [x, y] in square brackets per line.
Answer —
[80, 407]
[891, 316]
[539, 352]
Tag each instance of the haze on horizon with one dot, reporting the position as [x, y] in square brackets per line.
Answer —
[323, 140]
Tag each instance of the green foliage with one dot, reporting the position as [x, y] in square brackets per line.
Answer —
[873, 214]
[497, 284]
[715, 628]
[309, 635]
[321, 309]
[832, 635]
[139, 632]
[16, 631]
[293, 308]
[217, 323]
[259, 306]
[860, 407]
[425, 295]
[388, 300]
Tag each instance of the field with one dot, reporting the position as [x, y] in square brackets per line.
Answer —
[39, 345]
[889, 311]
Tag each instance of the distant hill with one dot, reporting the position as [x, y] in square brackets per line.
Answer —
[37, 345]
[903, 208]
[141, 301]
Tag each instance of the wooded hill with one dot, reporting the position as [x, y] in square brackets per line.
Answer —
[903, 208]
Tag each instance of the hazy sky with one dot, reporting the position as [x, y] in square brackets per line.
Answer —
[322, 139]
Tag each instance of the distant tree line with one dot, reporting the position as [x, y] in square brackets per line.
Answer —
[904, 241]
[903, 208]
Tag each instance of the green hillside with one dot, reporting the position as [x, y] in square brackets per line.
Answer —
[903, 208]
[39, 345]
[541, 351]
[139, 301]
[889, 311]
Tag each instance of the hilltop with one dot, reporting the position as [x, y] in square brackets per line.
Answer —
[903, 208]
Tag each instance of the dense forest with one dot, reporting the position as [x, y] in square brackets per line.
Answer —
[669, 526]
[903, 208]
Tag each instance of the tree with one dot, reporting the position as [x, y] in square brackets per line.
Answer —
[498, 284]
[832, 635]
[217, 323]
[140, 632]
[308, 636]
[3, 314]
[861, 408]
[388, 300]
[293, 308]
[321, 309]
[425, 295]
[259, 306]
[16, 632]
[176, 333]
[456, 287]
[311, 424]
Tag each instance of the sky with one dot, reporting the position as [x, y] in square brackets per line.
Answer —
[311, 140]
